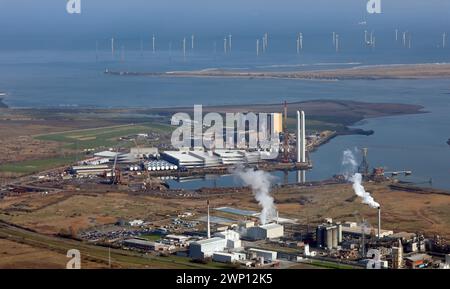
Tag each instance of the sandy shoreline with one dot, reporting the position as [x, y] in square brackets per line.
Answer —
[397, 71]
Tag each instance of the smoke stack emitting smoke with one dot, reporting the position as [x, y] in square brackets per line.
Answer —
[350, 163]
[260, 182]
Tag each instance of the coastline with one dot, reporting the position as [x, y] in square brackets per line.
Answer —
[367, 72]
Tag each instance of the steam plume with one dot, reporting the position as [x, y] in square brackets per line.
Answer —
[260, 182]
[349, 162]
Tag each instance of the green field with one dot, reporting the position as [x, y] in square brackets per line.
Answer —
[33, 166]
[101, 137]
[78, 140]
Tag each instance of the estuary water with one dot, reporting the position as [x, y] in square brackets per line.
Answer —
[75, 78]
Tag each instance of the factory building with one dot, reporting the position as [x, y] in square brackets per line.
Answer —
[269, 256]
[92, 170]
[275, 123]
[268, 231]
[223, 257]
[353, 229]
[208, 158]
[397, 256]
[206, 248]
[233, 238]
[145, 245]
[417, 261]
[95, 161]
[329, 236]
[182, 159]
[144, 152]
[230, 157]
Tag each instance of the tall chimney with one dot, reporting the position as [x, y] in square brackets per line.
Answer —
[379, 222]
[299, 138]
[208, 223]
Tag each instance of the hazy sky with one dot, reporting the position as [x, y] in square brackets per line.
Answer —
[48, 18]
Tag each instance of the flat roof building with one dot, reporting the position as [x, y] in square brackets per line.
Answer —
[206, 248]
[269, 256]
[182, 159]
[268, 231]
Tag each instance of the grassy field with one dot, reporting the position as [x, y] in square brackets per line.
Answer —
[33, 166]
[90, 253]
[100, 137]
[78, 140]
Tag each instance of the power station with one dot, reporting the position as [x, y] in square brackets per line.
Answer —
[301, 137]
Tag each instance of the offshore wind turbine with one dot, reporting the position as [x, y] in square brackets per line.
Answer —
[225, 45]
[112, 47]
[153, 43]
[337, 43]
[184, 47]
[192, 41]
[257, 47]
[301, 40]
[444, 39]
[230, 42]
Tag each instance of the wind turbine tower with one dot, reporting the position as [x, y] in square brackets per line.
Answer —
[112, 47]
[257, 47]
[153, 43]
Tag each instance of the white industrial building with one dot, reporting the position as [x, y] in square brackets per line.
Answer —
[95, 161]
[233, 238]
[182, 159]
[268, 231]
[208, 158]
[206, 248]
[144, 152]
[230, 157]
[269, 256]
[352, 228]
[224, 257]
[92, 170]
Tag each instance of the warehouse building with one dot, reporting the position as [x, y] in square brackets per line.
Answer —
[182, 159]
[269, 256]
[232, 237]
[206, 248]
[351, 228]
[268, 231]
[145, 245]
[223, 257]
[144, 152]
[230, 157]
[90, 170]
[208, 158]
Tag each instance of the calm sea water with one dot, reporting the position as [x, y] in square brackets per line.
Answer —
[75, 78]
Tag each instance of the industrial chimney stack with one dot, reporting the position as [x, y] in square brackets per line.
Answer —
[301, 137]
[379, 222]
[208, 223]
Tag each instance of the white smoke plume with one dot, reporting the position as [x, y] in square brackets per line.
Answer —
[350, 165]
[260, 183]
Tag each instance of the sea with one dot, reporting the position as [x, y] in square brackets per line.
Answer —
[73, 77]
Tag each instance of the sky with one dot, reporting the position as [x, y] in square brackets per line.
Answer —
[48, 20]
